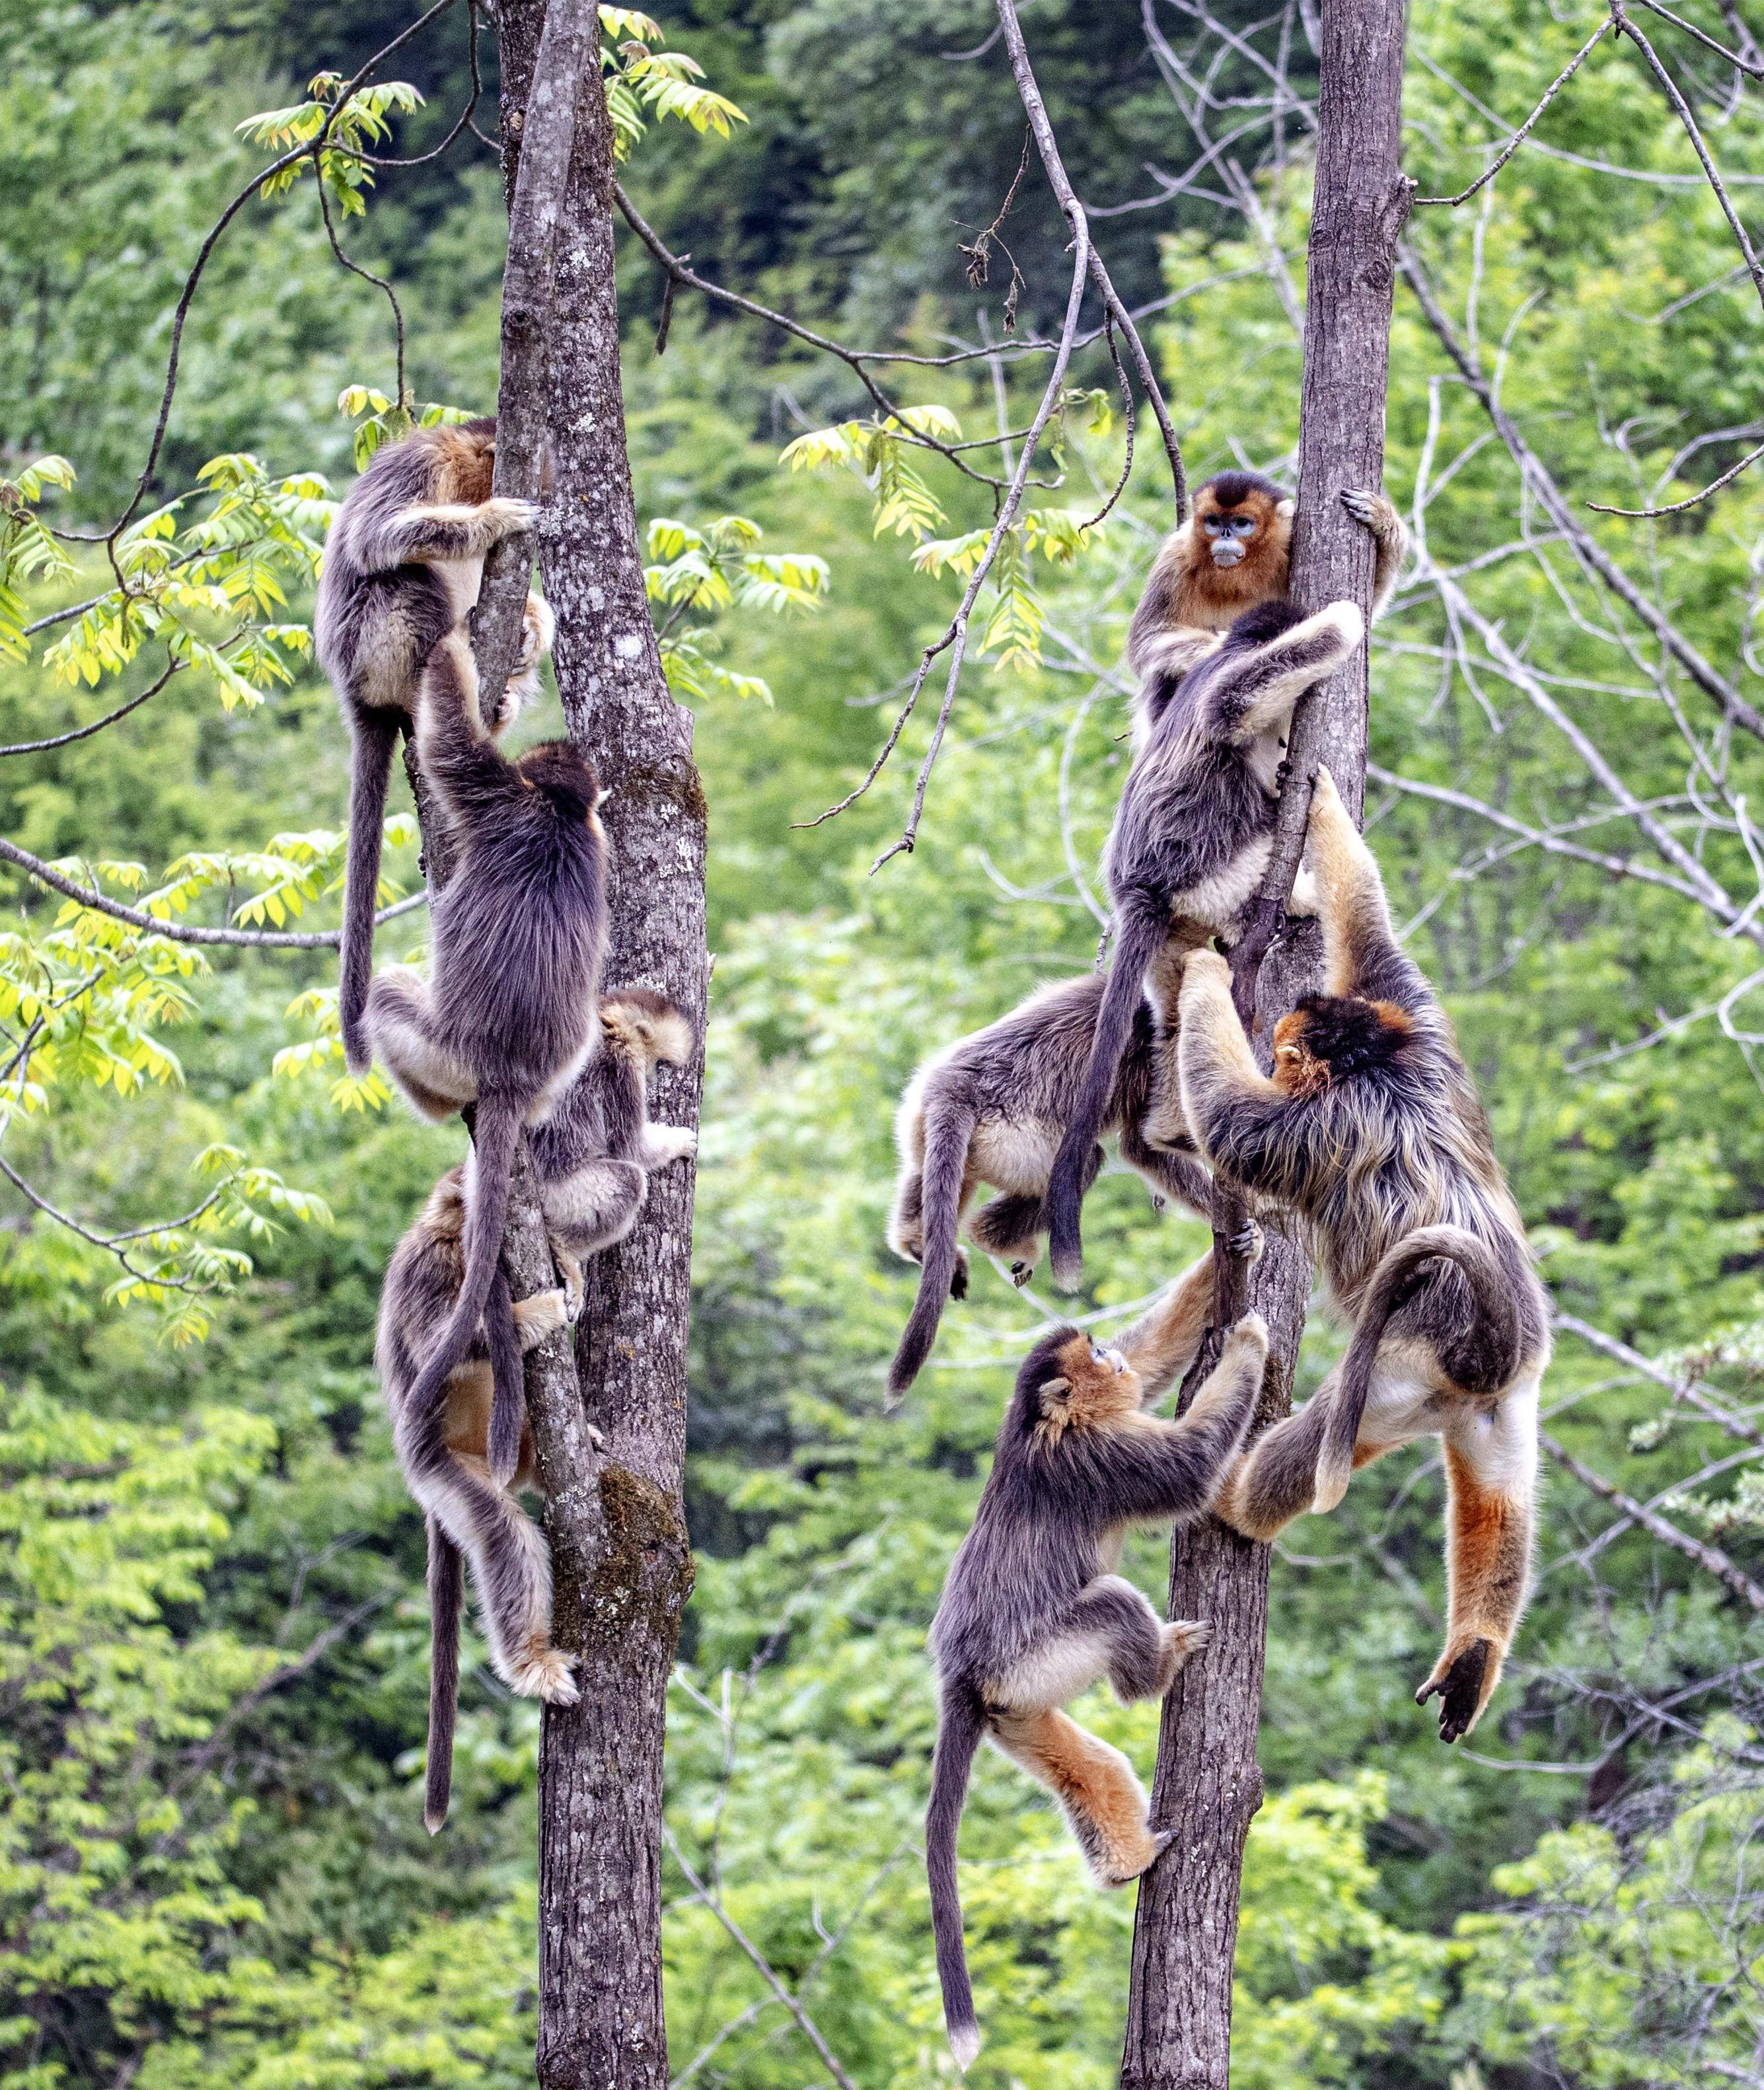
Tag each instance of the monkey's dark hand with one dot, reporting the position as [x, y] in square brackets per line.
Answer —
[958, 1279]
[1459, 1690]
[1373, 510]
[1248, 1241]
[1020, 1274]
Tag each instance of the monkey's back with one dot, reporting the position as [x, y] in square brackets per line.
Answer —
[1192, 811]
[519, 934]
[1031, 1063]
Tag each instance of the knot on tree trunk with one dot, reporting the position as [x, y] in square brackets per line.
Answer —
[642, 1580]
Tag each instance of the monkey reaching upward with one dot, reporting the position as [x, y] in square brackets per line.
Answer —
[1371, 1130]
[1232, 553]
[442, 1437]
[401, 568]
[1033, 1612]
[1190, 841]
[593, 1155]
[993, 1108]
[518, 938]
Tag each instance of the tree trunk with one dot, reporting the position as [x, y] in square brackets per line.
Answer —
[618, 1599]
[1208, 1784]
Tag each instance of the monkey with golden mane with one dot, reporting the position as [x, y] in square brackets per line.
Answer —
[1371, 1130]
[1234, 552]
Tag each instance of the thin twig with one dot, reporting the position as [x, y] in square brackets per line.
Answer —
[97, 726]
[805, 2023]
[1525, 129]
[1685, 1390]
[1709, 1558]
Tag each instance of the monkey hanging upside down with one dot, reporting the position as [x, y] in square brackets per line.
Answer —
[1371, 1129]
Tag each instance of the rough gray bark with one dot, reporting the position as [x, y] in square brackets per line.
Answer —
[618, 1600]
[1208, 1784]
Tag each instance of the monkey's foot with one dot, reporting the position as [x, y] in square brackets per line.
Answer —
[1156, 1843]
[546, 1312]
[1183, 1639]
[544, 1671]
[958, 1277]
[1463, 1684]
[575, 1290]
[1248, 1241]
[595, 1438]
[1020, 1274]
[673, 1142]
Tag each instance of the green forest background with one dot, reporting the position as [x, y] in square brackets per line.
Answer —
[213, 1637]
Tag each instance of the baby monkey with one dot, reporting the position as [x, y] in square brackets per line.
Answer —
[594, 1155]
[1033, 1612]
[1234, 552]
[443, 1445]
[1370, 1128]
[992, 1108]
[402, 564]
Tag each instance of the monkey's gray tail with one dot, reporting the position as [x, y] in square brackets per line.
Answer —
[962, 1724]
[377, 739]
[1140, 933]
[508, 1381]
[495, 1133]
[947, 1133]
[445, 1592]
[1497, 1312]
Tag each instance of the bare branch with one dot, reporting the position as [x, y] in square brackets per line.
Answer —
[85, 731]
[1525, 129]
[1709, 1558]
[1684, 1390]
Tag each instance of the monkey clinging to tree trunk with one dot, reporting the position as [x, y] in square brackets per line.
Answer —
[1032, 1611]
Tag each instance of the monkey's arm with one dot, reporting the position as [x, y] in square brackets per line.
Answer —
[1148, 1469]
[1245, 1124]
[428, 532]
[1256, 694]
[1490, 1465]
[1392, 537]
[467, 771]
[1166, 1339]
[1360, 952]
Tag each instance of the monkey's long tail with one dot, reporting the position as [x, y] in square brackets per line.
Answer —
[508, 1381]
[1497, 1311]
[376, 740]
[958, 1738]
[948, 1131]
[444, 1593]
[496, 1131]
[1139, 934]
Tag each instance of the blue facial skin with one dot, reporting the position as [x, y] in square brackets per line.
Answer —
[1230, 533]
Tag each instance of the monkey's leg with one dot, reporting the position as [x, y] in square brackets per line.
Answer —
[510, 1571]
[1011, 1226]
[1175, 1174]
[1491, 1465]
[537, 629]
[1144, 1653]
[597, 1205]
[1275, 1480]
[1103, 1802]
[400, 1023]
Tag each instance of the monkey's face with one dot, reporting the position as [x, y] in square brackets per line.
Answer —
[1087, 1386]
[1227, 534]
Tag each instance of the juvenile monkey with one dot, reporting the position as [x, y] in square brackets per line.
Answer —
[993, 1108]
[1371, 1130]
[1190, 841]
[517, 938]
[1234, 552]
[594, 1155]
[401, 568]
[442, 1435]
[1032, 1611]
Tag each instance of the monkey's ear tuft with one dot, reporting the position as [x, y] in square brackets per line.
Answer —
[1055, 1389]
[1286, 508]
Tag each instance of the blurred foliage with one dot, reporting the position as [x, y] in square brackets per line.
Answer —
[213, 1634]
